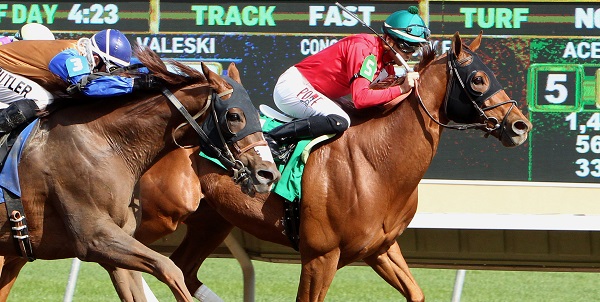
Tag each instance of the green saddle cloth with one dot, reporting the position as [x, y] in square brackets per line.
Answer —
[289, 186]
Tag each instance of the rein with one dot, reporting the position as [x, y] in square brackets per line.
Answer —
[454, 75]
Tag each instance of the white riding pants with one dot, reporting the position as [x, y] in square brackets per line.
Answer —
[14, 87]
[295, 96]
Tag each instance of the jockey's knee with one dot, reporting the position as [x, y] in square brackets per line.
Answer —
[336, 123]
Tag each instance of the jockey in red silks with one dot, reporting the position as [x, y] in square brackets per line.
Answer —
[308, 90]
[75, 66]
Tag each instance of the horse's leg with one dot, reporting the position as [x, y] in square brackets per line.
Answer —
[10, 270]
[316, 275]
[392, 267]
[99, 239]
[206, 230]
[128, 284]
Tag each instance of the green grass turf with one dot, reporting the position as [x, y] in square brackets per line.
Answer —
[47, 280]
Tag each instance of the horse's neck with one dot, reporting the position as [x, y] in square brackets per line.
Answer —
[401, 144]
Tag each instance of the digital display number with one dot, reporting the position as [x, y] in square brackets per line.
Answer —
[587, 145]
[555, 88]
[563, 87]
[95, 14]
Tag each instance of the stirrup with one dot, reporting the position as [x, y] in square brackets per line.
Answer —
[284, 152]
[280, 151]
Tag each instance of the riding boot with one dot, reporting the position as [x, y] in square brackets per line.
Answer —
[282, 140]
[17, 113]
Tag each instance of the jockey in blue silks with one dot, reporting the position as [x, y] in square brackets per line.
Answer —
[85, 66]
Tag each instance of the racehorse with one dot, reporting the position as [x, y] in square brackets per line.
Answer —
[368, 176]
[81, 163]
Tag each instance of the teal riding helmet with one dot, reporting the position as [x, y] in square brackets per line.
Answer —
[406, 25]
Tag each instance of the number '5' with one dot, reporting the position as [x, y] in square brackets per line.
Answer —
[553, 85]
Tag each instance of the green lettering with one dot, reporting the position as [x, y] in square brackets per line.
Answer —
[200, 10]
[503, 18]
[50, 12]
[249, 15]
[215, 15]
[19, 13]
[519, 16]
[233, 16]
[3, 9]
[469, 12]
[481, 17]
[35, 14]
[266, 16]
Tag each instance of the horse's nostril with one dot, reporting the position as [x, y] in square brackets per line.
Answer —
[267, 175]
[520, 127]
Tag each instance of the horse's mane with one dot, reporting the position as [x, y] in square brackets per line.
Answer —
[428, 55]
[183, 75]
[359, 116]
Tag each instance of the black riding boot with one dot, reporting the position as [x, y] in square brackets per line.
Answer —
[282, 140]
[17, 113]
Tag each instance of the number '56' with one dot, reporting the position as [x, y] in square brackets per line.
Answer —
[585, 144]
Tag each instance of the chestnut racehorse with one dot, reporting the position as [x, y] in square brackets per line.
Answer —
[81, 164]
[368, 176]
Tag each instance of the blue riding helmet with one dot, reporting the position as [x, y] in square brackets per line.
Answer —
[407, 26]
[112, 47]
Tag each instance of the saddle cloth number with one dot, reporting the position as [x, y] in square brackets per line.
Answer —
[368, 68]
[77, 65]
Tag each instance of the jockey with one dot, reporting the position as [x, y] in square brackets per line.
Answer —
[75, 66]
[29, 31]
[308, 90]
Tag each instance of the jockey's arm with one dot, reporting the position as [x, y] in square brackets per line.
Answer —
[73, 69]
[363, 96]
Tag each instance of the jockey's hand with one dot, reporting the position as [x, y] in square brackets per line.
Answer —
[409, 82]
[146, 82]
[412, 77]
[387, 82]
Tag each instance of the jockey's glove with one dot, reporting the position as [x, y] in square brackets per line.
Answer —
[146, 82]
[409, 82]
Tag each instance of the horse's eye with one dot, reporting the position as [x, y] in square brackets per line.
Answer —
[233, 117]
[478, 80]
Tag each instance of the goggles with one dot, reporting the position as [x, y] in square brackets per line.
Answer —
[406, 47]
[110, 67]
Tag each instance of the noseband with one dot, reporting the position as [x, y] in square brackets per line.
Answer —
[456, 108]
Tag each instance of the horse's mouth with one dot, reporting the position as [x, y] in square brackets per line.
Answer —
[516, 135]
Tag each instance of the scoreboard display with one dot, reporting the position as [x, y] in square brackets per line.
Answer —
[545, 53]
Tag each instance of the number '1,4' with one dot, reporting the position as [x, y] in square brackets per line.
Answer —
[592, 123]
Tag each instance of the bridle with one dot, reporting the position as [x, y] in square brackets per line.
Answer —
[241, 174]
[456, 90]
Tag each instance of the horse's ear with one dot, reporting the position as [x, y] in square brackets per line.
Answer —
[456, 44]
[476, 43]
[210, 75]
[234, 73]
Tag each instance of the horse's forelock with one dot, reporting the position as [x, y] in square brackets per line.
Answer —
[158, 68]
